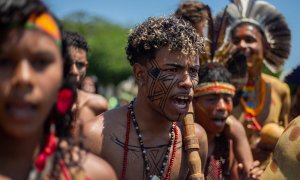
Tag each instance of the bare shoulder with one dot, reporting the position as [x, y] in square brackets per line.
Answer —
[97, 168]
[105, 123]
[234, 126]
[200, 131]
[279, 86]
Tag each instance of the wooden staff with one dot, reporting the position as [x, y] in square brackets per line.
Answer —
[191, 145]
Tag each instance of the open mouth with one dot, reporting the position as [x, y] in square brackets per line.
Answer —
[21, 111]
[182, 101]
[219, 121]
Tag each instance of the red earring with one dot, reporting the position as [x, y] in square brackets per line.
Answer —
[64, 100]
[48, 150]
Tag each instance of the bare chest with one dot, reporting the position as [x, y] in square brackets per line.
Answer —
[133, 166]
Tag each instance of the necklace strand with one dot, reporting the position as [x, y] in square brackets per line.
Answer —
[173, 140]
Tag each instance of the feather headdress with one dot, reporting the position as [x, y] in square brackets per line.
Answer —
[271, 23]
[219, 51]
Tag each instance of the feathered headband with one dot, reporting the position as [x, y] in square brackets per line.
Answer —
[217, 50]
[271, 23]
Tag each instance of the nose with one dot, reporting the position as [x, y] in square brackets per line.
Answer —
[23, 74]
[74, 70]
[186, 81]
[242, 44]
[221, 107]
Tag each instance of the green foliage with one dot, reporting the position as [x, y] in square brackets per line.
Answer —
[107, 42]
[266, 70]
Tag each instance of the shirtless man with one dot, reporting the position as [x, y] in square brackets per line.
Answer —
[265, 99]
[212, 106]
[88, 105]
[141, 140]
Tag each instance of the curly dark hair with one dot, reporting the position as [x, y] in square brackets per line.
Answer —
[74, 39]
[192, 11]
[214, 72]
[16, 13]
[157, 32]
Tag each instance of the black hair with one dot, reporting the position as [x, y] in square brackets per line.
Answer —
[293, 79]
[74, 39]
[214, 72]
[17, 12]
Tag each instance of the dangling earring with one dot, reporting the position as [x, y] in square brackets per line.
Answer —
[65, 100]
[49, 149]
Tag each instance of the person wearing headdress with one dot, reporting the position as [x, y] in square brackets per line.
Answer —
[261, 33]
[293, 80]
[142, 140]
[36, 99]
[199, 15]
[212, 106]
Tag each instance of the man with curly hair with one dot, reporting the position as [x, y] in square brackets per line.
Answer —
[141, 140]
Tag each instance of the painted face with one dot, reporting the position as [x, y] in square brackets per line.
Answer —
[31, 69]
[249, 40]
[79, 64]
[172, 77]
[212, 110]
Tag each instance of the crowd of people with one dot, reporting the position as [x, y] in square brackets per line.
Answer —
[204, 108]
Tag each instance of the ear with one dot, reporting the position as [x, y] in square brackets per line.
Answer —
[140, 73]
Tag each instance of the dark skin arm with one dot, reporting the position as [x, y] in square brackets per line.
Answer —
[241, 148]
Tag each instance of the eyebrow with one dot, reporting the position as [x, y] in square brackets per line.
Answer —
[175, 65]
[46, 54]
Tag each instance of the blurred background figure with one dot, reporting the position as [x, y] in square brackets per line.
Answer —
[90, 84]
[293, 80]
[88, 105]
[36, 100]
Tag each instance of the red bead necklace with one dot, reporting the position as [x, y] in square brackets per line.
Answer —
[173, 141]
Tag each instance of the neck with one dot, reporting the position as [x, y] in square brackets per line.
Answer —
[16, 155]
[210, 137]
[150, 121]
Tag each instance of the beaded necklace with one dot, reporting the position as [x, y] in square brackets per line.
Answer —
[218, 163]
[252, 112]
[173, 140]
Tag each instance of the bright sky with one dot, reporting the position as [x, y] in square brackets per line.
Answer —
[131, 12]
